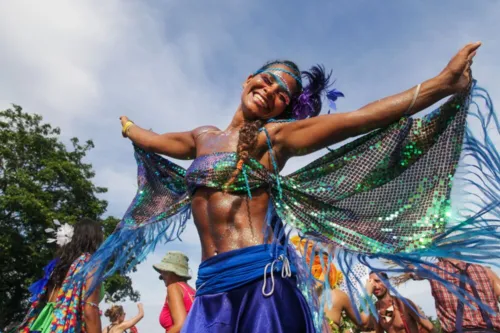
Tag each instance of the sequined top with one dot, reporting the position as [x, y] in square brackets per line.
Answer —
[214, 170]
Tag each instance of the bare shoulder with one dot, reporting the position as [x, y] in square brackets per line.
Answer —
[174, 288]
[340, 297]
[203, 129]
[272, 130]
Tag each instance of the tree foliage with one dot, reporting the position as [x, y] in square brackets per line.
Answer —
[41, 179]
[437, 324]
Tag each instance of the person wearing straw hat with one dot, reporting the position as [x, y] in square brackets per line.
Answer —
[174, 271]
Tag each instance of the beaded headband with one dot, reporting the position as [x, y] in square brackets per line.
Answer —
[276, 73]
[303, 105]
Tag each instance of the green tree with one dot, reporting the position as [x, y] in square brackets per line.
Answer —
[41, 180]
[437, 324]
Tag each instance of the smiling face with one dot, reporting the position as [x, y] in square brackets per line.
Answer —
[267, 94]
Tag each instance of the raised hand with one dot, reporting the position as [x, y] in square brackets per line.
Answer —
[457, 73]
[123, 120]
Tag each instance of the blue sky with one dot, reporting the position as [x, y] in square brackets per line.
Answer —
[174, 65]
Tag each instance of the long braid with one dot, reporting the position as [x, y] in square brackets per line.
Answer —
[249, 132]
[246, 147]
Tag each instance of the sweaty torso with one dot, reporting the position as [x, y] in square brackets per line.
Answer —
[229, 221]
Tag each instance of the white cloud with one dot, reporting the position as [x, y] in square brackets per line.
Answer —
[54, 51]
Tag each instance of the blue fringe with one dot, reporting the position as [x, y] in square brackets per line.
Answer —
[126, 248]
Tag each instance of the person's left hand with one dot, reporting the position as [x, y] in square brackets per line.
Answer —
[456, 74]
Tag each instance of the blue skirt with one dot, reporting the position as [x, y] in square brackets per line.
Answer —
[235, 303]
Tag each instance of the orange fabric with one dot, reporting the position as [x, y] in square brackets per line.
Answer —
[334, 276]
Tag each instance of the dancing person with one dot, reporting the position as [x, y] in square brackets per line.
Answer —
[118, 324]
[395, 314]
[60, 303]
[479, 281]
[363, 198]
[174, 271]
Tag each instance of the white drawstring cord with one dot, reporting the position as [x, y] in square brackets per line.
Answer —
[286, 272]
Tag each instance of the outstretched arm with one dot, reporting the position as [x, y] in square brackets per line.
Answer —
[131, 322]
[351, 314]
[295, 139]
[180, 145]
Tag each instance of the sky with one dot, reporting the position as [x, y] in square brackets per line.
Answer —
[174, 65]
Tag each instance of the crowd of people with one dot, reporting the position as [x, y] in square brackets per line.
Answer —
[394, 314]
[384, 196]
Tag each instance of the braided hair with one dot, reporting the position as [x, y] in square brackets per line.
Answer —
[247, 141]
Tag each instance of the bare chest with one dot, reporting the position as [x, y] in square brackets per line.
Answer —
[216, 141]
[391, 319]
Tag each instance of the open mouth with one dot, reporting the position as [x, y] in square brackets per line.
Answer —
[260, 100]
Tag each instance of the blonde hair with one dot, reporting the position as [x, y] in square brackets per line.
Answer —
[114, 312]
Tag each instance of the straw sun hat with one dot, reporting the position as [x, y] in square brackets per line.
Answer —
[175, 262]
